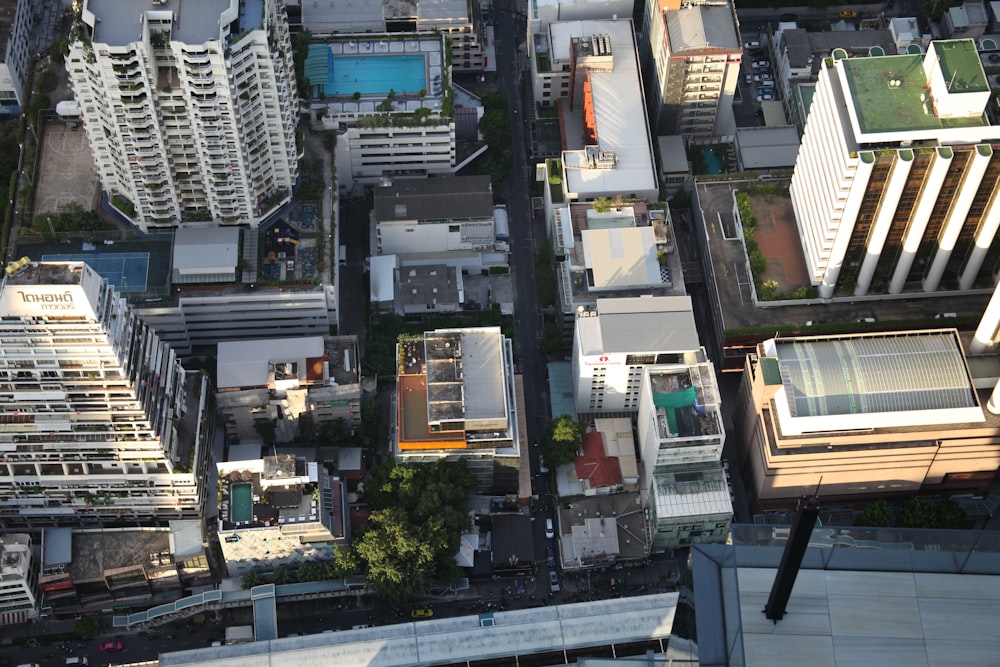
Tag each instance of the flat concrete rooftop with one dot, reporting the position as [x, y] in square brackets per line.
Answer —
[119, 22]
[890, 93]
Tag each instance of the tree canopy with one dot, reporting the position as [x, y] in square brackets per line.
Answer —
[915, 513]
[418, 516]
[563, 437]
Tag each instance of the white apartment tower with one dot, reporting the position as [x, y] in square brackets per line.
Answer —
[95, 423]
[897, 182]
[15, 49]
[189, 108]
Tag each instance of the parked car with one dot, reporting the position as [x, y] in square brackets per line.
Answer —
[422, 613]
[111, 647]
[553, 581]
[749, 79]
[549, 531]
[761, 63]
[725, 467]
[550, 557]
[765, 96]
[763, 78]
[765, 90]
[752, 44]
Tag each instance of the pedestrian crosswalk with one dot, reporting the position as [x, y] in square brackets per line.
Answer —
[13, 617]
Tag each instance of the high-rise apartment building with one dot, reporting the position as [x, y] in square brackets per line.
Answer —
[692, 67]
[897, 182]
[16, 19]
[190, 108]
[99, 424]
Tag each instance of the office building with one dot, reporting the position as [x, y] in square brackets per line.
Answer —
[617, 339]
[458, 398]
[624, 251]
[460, 21]
[864, 416]
[441, 220]
[190, 114]
[693, 67]
[100, 424]
[896, 183]
[19, 593]
[681, 433]
[591, 70]
[15, 31]
[296, 385]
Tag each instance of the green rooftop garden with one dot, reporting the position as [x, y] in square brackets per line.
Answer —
[890, 94]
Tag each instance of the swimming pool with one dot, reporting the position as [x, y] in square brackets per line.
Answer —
[375, 74]
[241, 503]
[712, 161]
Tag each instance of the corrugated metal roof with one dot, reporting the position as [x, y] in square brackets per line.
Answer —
[874, 373]
[202, 248]
[646, 328]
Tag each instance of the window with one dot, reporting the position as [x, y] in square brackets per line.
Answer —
[454, 229]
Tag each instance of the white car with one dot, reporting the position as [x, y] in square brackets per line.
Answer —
[763, 78]
[752, 44]
[765, 96]
[761, 63]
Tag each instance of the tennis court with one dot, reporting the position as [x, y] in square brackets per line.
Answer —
[241, 503]
[126, 271]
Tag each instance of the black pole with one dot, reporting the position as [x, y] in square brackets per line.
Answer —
[791, 559]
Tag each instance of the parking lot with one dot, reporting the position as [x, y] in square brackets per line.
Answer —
[756, 80]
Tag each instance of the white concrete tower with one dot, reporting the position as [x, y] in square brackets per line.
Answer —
[189, 108]
[897, 178]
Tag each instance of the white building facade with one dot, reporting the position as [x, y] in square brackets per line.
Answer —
[190, 115]
[18, 579]
[200, 320]
[92, 425]
[614, 342]
[692, 69]
[14, 68]
[897, 180]
[681, 434]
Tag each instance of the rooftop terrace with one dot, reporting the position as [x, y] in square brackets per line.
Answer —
[890, 93]
[195, 21]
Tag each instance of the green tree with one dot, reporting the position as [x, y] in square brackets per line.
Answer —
[602, 205]
[252, 578]
[877, 515]
[917, 514]
[400, 557]
[551, 343]
[949, 514]
[345, 563]
[562, 440]
[85, 628]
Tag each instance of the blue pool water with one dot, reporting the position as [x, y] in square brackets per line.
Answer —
[711, 161]
[375, 74]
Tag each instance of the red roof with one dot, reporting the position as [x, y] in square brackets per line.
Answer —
[595, 467]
